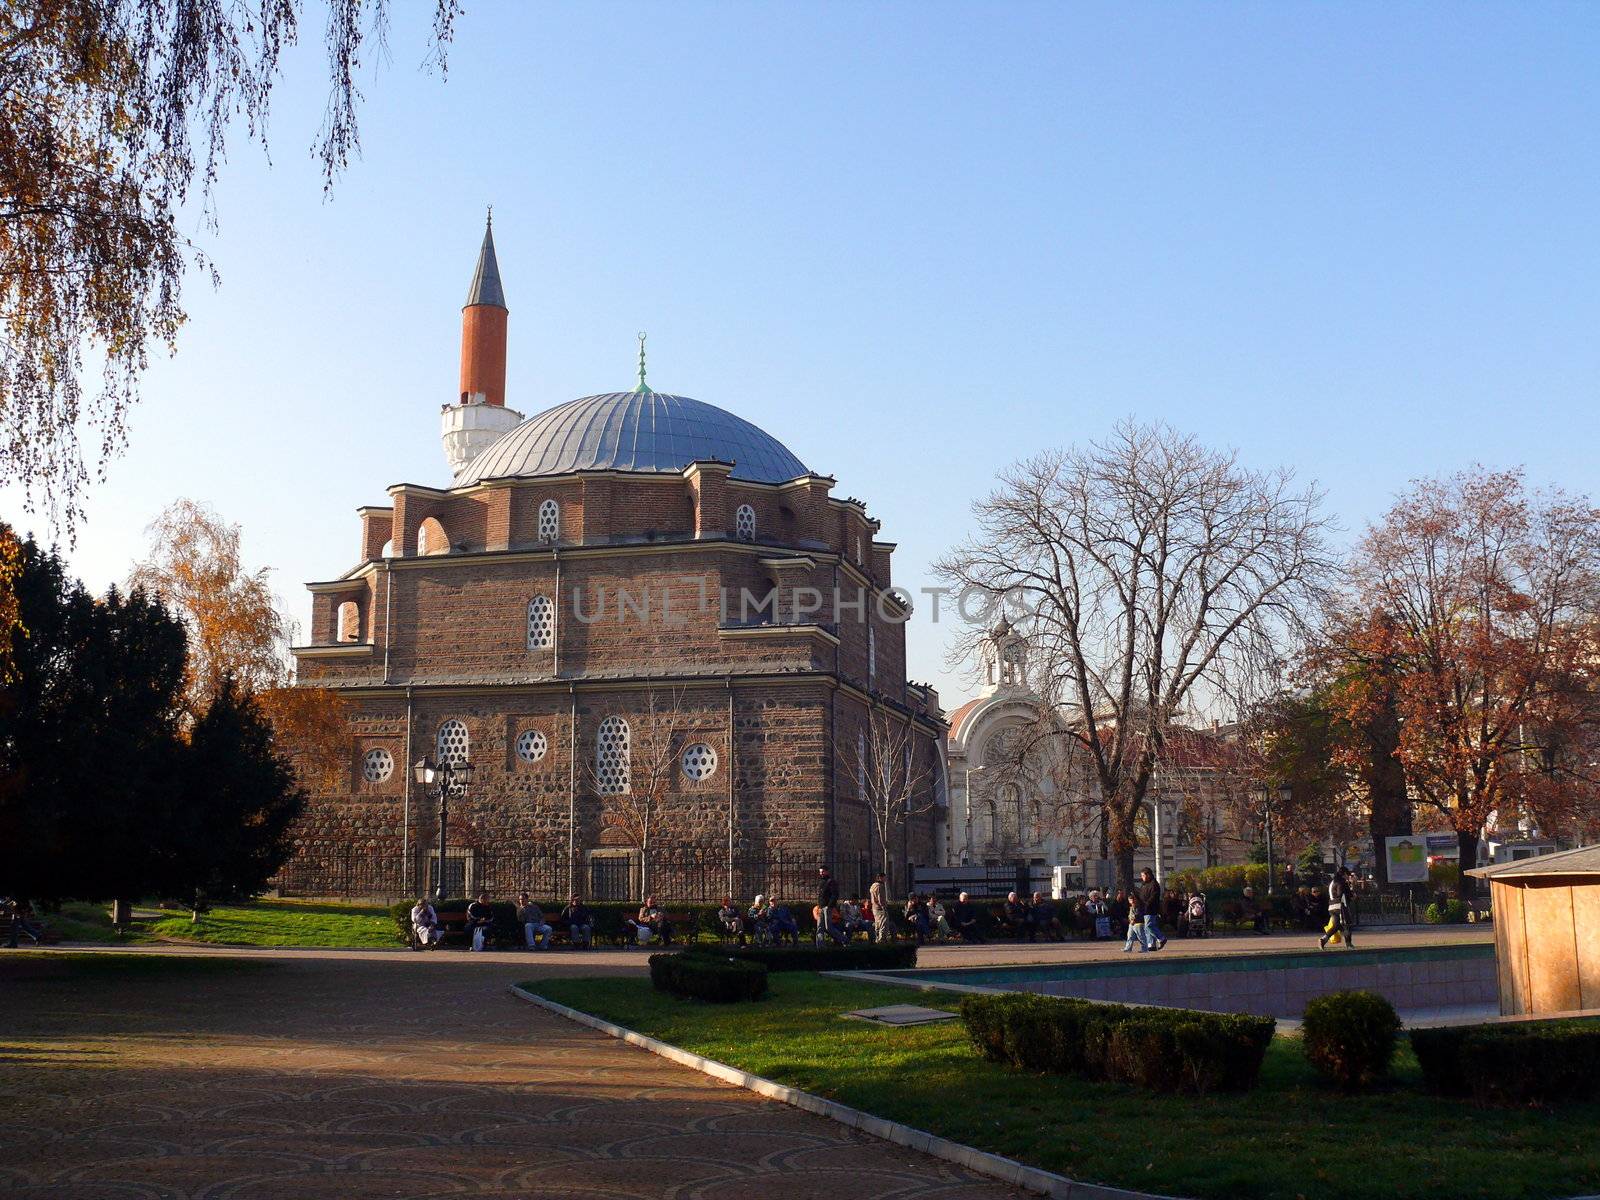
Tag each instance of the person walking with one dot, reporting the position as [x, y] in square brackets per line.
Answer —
[878, 895]
[1338, 909]
[827, 901]
[1149, 893]
[1135, 925]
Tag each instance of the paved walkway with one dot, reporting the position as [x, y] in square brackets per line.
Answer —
[1373, 938]
[305, 1075]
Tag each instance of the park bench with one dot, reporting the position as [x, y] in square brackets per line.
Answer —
[684, 929]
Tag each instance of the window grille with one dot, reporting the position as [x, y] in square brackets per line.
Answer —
[549, 521]
[541, 623]
[377, 765]
[531, 745]
[613, 757]
[699, 761]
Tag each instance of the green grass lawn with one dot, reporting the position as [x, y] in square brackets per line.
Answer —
[283, 923]
[267, 923]
[1291, 1138]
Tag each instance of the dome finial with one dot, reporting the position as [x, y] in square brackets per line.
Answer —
[643, 386]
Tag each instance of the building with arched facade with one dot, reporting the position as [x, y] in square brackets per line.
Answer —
[1013, 798]
[643, 620]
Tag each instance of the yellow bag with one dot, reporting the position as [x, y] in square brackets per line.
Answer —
[1332, 930]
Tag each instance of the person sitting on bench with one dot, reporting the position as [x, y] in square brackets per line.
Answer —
[965, 919]
[730, 920]
[1046, 917]
[784, 925]
[652, 924]
[480, 916]
[425, 925]
[1017, 917]
[580, 923]
[535, 930]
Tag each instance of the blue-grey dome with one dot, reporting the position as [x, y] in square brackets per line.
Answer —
[633, 431]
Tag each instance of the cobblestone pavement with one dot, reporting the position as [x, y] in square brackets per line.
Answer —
[302, 1076]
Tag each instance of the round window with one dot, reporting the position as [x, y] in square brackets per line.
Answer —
[531, 745]
[377, 765]
[699, 761]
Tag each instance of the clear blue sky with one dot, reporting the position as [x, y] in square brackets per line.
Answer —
[915, 242]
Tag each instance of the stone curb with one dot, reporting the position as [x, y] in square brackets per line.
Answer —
[995, 1166]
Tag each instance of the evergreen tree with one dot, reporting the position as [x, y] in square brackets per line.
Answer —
[88, 727]
[237, 800]
[101, 796]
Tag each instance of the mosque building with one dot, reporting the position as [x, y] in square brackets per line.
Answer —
[670, 654]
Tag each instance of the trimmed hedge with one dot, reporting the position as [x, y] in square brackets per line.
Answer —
[1163, 1049]
[1451, 912]
[718, 980]
[1349, 1037]
[1533, 1062]
[862, 956]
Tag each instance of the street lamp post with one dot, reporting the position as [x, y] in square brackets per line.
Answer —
[1284, 794]
[445, 776]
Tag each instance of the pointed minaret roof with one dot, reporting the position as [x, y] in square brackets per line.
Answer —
[486, 287]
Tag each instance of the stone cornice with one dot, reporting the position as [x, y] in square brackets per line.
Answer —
[338, 650]
[809, 628]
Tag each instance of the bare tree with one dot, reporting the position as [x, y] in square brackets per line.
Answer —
[654, 743]
[894, 785]
[1152, 578]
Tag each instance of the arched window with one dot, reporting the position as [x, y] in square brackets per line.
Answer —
[349, 621]
[431, 538]
[452, 745]
[744, 523]
[613, 757]
[982, 815]
[1011, 822]
[541, 623]
[549, 521]
[872, 655]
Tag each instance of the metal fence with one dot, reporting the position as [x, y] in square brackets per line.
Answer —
[674, 873]
[979, 881]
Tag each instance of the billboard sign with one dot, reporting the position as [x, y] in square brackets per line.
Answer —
[1407, 859]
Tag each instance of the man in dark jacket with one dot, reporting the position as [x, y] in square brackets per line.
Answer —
[827, 901]
[480, 916]
[1018, 917]
[964, 919]
[1149, 892]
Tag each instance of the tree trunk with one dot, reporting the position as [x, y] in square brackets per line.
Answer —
[1385, 779]
[121, 914]
[1467, 846]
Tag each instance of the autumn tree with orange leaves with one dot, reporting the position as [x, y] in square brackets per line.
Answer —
[1488, 595]
[236, 632]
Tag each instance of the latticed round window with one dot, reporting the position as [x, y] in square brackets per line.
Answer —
[452, 745]
[699, 761]
[541, 623]
[377, 765]
[613, 757]
[744, 523]
[549, 521]
[531, 745]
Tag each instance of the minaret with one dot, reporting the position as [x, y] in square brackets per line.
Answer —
[480, 415]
